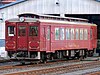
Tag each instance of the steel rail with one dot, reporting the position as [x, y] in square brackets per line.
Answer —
[62, 69]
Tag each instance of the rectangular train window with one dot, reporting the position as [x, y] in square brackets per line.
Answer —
[48, 33]
[72, 33]
[91, 34]
[33, 31]
[85, 34]
[77, 34]
[11, 30]
[81, 34]
[62, 36]
[68, 36]
[22, 31]
[56, 33]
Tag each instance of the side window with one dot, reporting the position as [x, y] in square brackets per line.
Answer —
[85, 34]
[77, 34]
[11, 30]
[62, 36]
[56, 33]
[22, 31]
[91, 34]
[33, 31]
[72, 33]
[48, 33]
[68, 34]
[81, 34]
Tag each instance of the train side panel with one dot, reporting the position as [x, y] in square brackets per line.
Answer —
[70, 41]
[65, 37]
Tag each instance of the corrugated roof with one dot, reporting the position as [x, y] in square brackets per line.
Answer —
[10, 4]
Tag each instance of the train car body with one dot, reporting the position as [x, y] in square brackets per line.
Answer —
[40, 37]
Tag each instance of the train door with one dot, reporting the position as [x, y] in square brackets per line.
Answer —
[22, 36]
[48, 38]
[93, 34]
[33, 37]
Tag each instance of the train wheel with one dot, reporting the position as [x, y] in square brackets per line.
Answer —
[90, 53]
[43, 57]
[22, 62]
[77, 54]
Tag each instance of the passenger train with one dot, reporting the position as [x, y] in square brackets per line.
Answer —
[42, 37]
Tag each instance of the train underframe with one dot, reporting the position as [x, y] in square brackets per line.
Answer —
[43, 56]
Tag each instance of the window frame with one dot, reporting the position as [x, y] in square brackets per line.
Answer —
[62, 33]
[48, 33]
[20, 31]
[57, 33]
[68, 34]
[10, 29]
[34, 30]
[85, 34]
[81, 34]
[91, 34]
[77, 35]
[72, 33]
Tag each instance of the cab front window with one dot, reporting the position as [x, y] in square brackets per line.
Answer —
[33, 31]
[11, 30]
[22, 31]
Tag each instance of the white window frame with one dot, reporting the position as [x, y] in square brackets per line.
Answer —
[68, 35]
[81, 34]
[85, 34]
[77, 34]
[62, 34]
[57, 33]
[72, 33]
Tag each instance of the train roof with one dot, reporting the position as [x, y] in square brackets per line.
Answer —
[39, 16]
[50, 21]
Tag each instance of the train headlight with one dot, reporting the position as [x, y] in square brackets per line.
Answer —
[21, 19]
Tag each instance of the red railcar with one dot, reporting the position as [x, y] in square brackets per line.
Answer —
[49, 37]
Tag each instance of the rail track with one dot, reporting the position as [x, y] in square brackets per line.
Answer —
[55, 70]
[6, 67]
[19, 67]
[94, 73]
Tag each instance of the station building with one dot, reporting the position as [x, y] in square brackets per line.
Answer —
[88, 9]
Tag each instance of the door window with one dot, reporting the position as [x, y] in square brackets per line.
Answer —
[33, 31]
[11, 30]
[22, 31]
[48, 33]
[91, 34]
